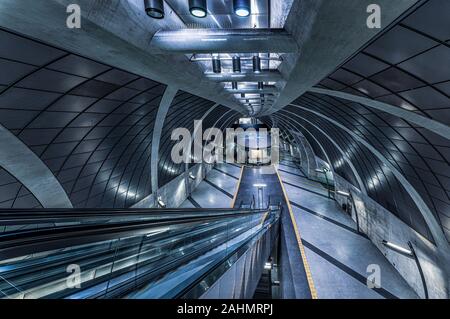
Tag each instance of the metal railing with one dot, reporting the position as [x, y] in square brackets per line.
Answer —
[118, 253]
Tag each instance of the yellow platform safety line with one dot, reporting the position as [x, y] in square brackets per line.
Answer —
[312, 288]
[237, 188]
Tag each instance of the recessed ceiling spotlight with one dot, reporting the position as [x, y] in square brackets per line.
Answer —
[242, 8]
[256, 64]
[198, 8]
[217, 66]
[154, 8]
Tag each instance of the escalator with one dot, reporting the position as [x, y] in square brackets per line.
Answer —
[170, 253]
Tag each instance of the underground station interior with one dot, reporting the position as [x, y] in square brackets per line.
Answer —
[224, 149]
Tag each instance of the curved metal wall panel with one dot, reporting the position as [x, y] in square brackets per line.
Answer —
[91, 124]
[338, 163]
[184, 110]
[13, 194]
[217, 118]
[380, 183]
[407, 66]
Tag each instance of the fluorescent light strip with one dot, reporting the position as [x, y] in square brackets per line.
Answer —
[259, 185]
[343, 193]
[397, 248]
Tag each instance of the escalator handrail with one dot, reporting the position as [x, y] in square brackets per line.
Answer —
[47, 216]
[16, 244]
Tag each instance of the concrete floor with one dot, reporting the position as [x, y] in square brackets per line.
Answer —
[337, 255]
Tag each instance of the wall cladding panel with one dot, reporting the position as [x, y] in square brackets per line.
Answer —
[91, 124]
[185, 108]
[379, 182]
[13, 194]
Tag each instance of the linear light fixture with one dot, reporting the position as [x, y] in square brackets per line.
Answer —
[343, 193]
[397, 248]
[259, 185]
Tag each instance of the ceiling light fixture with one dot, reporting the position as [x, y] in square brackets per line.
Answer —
[256, 64]
[198, 8]
[217, 66]
[242, 8]
[154, 8]
[236, 64]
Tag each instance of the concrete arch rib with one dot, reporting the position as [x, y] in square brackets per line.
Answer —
[361, 186]
[164, 106]
[431, 125]
[431, 221]
[28, 168]
[196, 128]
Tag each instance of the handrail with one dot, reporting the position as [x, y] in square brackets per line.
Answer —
[33, 261]
[189, 292]
[10, 216]
[34, 241]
